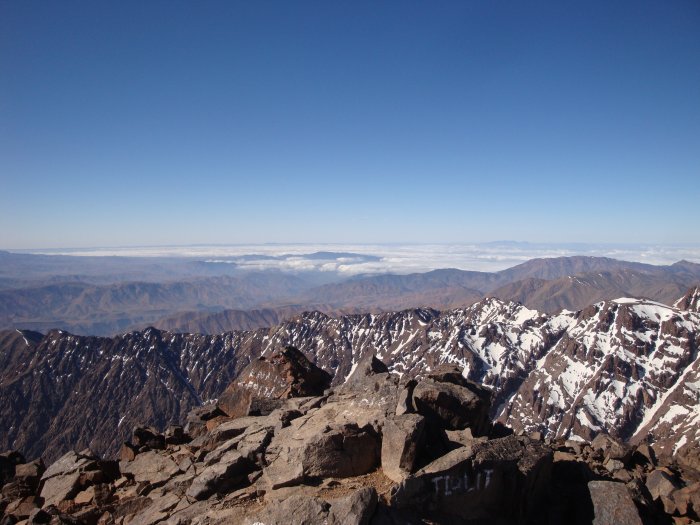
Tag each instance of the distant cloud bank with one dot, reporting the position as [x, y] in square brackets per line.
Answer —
[354, 259]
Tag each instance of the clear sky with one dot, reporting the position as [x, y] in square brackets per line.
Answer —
[125, 123]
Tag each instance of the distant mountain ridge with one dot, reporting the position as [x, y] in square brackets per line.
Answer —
[215, 304]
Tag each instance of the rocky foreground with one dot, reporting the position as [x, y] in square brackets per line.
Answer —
[280, 446]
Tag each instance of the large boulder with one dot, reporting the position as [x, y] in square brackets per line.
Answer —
[612, 504]
[317, 448]
[659, 483]
[449, 400]
[70, 474]
[505, 478]
[267, 380]
[150, 467]
[402, 440]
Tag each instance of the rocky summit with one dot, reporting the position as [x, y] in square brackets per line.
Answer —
[377, 449]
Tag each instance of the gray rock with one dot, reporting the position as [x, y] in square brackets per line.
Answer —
[324, 443]
[254, 441]
[453, 406]
[402, 439]
[613, 465]
[285, 471]
[404, 404]
[61, 480]
[612, 504]
[231, 470]
[355, 509]
[150, 467]
[302, 510]
[60, 487]
[341, 451]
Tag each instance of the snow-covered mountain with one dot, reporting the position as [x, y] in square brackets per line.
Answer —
[629, 367]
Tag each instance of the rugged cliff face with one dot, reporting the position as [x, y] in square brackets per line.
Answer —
[627, 367]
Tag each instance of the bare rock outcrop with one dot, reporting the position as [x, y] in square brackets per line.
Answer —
[266, 381]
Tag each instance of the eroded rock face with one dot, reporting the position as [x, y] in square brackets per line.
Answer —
[267, 380]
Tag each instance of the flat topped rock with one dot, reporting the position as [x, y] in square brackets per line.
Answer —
[151, 467]
[68, 463]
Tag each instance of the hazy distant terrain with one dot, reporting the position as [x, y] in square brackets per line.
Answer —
[105, 295]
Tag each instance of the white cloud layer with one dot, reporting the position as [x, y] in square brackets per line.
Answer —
[405, 258]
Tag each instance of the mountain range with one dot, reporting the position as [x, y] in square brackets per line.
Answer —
[203, 298]
[628, 367]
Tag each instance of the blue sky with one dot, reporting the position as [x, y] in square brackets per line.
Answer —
[137, 123]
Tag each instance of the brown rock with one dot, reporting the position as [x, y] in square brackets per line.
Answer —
[505, 478]
[660, 483]
[610, 448]
[128, 452]
[8, 461]
[85, 497]
[684, 501]
[612, 504]
[175, 435]
[402, 439]
[645, 452]
[22, 508]
[281, 376]
[150, 467]
[30, 471]
[341, 451]
[231, 470]
[148, 438]
[564, 456]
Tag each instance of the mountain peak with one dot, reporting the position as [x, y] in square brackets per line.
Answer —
[690, 301]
